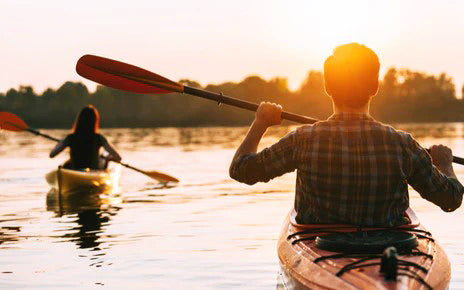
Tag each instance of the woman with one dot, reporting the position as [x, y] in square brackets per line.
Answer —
[85, 143]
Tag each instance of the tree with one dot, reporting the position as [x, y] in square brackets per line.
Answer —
[311, 98]
[404, 95]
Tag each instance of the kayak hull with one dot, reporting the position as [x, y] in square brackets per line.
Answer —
[68, 180]
[299, 271]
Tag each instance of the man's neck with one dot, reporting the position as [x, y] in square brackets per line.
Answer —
[344, 109]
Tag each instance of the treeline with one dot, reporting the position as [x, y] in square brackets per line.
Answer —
[404, 96]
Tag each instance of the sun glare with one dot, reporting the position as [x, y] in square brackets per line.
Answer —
[310, 30]
[344, 24]
[335, 22]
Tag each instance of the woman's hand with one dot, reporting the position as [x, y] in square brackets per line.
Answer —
[113, 158]
[268, 114]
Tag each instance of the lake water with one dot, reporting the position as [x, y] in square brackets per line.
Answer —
[208, 232]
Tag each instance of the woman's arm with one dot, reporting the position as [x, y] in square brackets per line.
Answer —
[59, 147]
[110, 149]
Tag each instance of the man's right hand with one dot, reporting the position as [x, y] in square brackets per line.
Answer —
[269, 114]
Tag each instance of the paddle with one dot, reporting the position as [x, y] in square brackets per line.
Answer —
[127, 77]
[130, 78]
[11, 122]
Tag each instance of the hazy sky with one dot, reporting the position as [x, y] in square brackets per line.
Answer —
[213, 41]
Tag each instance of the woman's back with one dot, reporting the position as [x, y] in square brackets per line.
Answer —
[85, 142]
[85, 150]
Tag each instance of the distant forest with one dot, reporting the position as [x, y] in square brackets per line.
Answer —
[404, 96]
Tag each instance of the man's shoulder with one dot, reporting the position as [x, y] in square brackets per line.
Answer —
[311, 129]
[372, 125]
[392, 130]
[304, 129]
[327, 125]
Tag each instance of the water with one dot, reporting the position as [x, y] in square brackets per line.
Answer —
[208, 232]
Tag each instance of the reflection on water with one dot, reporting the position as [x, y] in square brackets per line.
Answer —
[89, 225]
[77, 201]
[88, 213]
[208, 232]
[9, 234]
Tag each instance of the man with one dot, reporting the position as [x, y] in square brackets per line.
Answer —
[351, 169]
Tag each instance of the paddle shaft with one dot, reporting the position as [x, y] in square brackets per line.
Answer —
[130, 167]
[222, 99]
[458, 160]
[43, 135]
[33, 131]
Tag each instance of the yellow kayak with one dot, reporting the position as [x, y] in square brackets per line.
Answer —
[67, 180]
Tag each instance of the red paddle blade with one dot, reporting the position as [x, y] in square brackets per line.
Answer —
[123, 76]
[11, 122]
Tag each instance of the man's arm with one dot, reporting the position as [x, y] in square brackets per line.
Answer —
[442, 158]
[434, 178]
[249, 167]
[267, 115]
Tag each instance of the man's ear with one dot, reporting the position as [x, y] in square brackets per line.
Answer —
[374, 88]
[327, 88]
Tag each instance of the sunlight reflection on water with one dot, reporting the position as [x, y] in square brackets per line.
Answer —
[208, 232]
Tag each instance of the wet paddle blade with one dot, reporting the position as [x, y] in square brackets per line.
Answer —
[123, 76]
[11, 122]
[161, 177]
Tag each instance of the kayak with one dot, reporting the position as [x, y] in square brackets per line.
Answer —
[68, 180]
[329, 256]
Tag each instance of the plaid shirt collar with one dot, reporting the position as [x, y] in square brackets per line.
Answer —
[344, 116]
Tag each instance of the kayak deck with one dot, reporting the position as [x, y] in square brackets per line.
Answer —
[304, 266]
[68, 180]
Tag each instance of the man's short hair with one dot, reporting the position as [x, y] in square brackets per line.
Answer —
[351, 75]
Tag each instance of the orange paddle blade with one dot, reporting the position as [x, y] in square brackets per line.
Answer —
[161, 177]
[123, 76]
[11, 122]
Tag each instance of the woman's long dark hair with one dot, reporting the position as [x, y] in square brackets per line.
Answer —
[86, 124]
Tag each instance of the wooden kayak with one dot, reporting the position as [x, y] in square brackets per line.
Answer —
[68, 180]
[305, 265]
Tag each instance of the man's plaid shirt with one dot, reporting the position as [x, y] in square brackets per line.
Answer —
[351, 169]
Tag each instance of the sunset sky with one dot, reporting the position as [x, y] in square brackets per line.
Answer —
[213, 41]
